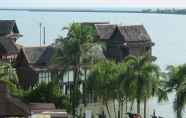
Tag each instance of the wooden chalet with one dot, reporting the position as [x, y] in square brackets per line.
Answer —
[33, 65]
[122, 41]
[9, 33]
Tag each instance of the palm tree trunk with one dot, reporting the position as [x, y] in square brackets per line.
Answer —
[114, 109]
[145, 107]
[138, 105]
[131, 105]
[75, 90]
[122, 105]
[74, 95]
[126, 106]
[119, 109]
[84, 88]
[108, 110]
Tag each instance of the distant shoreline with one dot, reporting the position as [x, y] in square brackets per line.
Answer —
[145, 11]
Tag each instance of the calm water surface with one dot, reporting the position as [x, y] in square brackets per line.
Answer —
[167, 31]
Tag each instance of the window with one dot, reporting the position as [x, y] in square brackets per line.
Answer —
[67, 88]
[44, 77]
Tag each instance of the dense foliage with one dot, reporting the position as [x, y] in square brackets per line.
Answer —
[102, 82]
[48, 93]
[9, 76]
[136, 79]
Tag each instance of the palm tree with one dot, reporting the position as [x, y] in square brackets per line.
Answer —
[143, 77]
[73, 55]
[126, 87]
[102, 82]
[180, 100]
[9, 76]
[177, 82]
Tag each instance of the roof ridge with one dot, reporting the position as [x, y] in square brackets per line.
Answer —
[35, 54]
[137, 31]
[7, 26]
[107, 24]
[35, 46]
[7, 20]
[130, 25]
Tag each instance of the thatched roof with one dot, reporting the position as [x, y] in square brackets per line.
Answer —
[7, 46]
[8, 26]
[105, 31]
[140, 44]
[10, 106]
[134, 33]
[130, 33]
[38, 55]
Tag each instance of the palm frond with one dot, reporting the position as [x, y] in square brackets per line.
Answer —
[180, 101]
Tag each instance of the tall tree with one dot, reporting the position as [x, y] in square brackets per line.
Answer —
[145, 78]
[73, 55]
[102, 82]
[126, 91]
[177, 82]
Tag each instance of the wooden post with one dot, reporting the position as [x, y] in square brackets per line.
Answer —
[44, 36]
[40, 26]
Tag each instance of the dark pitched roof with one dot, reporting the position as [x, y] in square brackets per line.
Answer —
[8, 26]
[93, 23]
[42, 106]
[129, 33]
[9, 105]
[8, 46]
[38, 55]
[134, 33]
[105, 31]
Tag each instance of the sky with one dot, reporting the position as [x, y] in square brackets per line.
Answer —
[90, 3]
